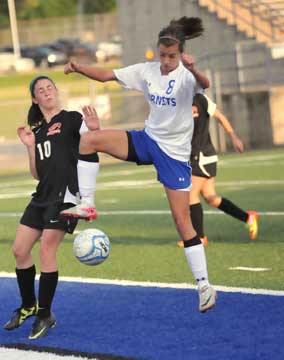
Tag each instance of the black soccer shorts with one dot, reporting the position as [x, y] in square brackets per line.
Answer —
[47, 217]
[206, 171]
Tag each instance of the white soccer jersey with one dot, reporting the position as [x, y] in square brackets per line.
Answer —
[170, 121]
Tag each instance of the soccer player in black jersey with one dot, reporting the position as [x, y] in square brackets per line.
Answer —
[52, 144]
[204, 168]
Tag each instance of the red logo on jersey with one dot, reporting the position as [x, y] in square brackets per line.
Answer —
[54, 129]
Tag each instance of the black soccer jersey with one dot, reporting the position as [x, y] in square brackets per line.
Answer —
[56, 154]
[201, 140]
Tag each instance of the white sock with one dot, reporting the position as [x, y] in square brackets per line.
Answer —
[195, 256]
[87, 175]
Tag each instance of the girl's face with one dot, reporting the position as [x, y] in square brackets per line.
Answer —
[45, 95]
[169, 58]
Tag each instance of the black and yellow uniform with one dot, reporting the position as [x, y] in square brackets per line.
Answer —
[203, 157]
[204, 164]
[56, 155]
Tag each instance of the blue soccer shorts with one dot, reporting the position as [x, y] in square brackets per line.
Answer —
[172, 173]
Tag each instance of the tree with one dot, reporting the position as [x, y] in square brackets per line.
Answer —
[4, 14]
[32, 9]
[98, 6]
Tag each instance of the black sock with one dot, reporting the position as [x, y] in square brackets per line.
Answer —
[89, 157]
[26, 283]
[192, 242]
[47, 286]
[196, 214]
[229, 208]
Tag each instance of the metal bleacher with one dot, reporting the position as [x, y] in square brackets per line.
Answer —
[260, 19]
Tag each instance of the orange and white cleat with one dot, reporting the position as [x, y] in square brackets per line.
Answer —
[204, 241]
[180, 243]
[80, 211]
[252, 224]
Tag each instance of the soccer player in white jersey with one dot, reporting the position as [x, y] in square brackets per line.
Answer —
[169, 86]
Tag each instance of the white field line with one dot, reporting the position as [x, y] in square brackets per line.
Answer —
[254, 158]
[17, 195]
[150, 212]
[228, 165]
[246, 161]
[16, 354]
[250, 182]
[149, 169]
[245, 268]
[142, 184]
[101, 175]
[155, 284]
[19, 183]
[153, 183]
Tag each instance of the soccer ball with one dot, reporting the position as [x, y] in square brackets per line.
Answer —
[91, 247]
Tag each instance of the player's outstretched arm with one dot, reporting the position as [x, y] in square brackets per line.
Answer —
[91, 118]
[189, 63]
[28, 139]
[91, 72]
[224, 121]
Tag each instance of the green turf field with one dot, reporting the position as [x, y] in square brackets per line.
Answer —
[143, 243]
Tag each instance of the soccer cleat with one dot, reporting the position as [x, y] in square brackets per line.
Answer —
[180, 243]
[80, 211]
[252, 224]
[40, 326]
[207, 298]
[203, 239]
[19, 316]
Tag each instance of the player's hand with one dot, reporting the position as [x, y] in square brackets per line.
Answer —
[188, 61]
[237, 143]
[26, 136]
[91, 118]
[70, 67]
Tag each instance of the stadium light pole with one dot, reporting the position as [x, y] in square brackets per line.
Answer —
[14, 28]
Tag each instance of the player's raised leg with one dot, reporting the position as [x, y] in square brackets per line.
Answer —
[112, 142]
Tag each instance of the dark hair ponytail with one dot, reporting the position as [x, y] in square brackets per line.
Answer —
[35, 116]
[181, 30]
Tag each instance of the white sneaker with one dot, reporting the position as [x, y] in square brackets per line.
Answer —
[80, 211]
[207, 298]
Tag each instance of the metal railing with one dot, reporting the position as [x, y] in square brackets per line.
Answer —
[268, 11]
[245, 69]
[273, 17]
